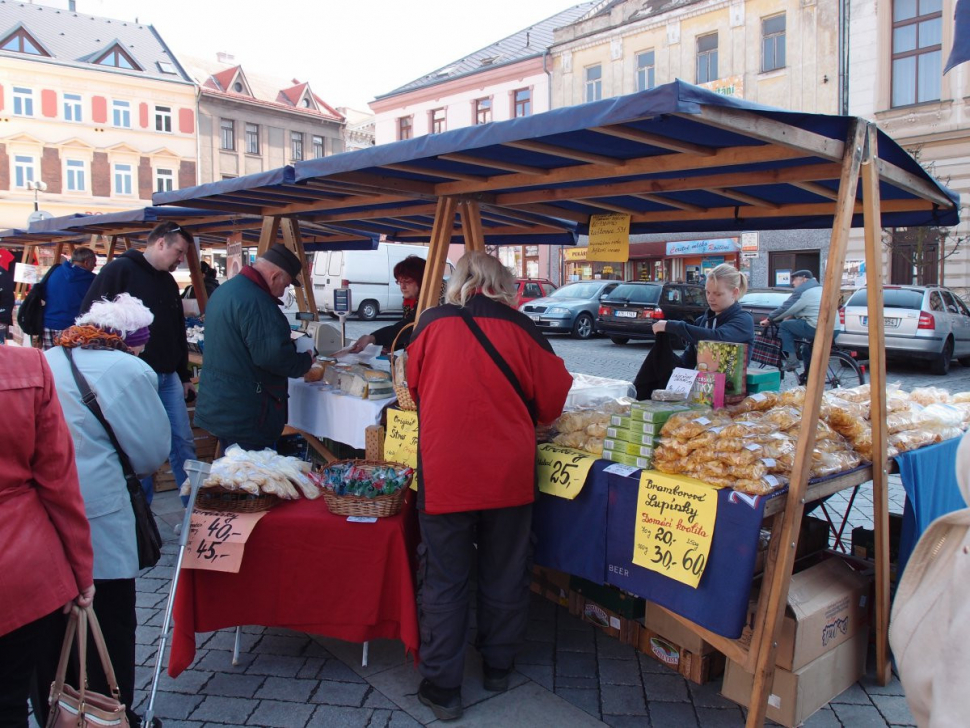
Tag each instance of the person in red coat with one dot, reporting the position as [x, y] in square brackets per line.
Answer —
[482, 376]
[46, 558]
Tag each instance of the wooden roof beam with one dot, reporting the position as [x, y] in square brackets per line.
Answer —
[494, 164]
[554, 150]
[415, 169]
[494, 217]
[384, 213]
[610, 207]
[517, 214]
[383, 183]
[411, 224]
[803, 210]
[745, 198]
[817, 189]
[654, 140]
[666, 201]
[909, 182]
[553, 211]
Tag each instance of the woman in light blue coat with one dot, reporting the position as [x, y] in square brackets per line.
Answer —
[104, 344]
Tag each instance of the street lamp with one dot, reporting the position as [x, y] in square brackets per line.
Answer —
[38, 186]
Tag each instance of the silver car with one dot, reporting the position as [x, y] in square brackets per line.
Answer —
[570, 309]
[922, 322]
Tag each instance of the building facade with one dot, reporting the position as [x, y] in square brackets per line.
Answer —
[251, 123]
[97, 109]
[359, 129]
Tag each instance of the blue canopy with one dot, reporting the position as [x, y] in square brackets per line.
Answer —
[677, 158]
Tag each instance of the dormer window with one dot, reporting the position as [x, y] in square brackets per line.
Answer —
[237, 87]
[117, 57]
[307, 104]
[20, 41]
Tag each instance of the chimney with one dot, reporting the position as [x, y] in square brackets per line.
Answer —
[223, 57]
[527, 35]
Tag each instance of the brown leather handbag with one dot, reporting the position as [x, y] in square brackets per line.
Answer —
[83, 708]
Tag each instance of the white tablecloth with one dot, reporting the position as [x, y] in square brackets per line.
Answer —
[334, 416]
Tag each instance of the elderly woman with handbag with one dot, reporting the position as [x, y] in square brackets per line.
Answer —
[100, 353]
[45, 562]
[482, 376]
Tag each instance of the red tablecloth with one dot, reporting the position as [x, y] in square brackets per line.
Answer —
[308, 570]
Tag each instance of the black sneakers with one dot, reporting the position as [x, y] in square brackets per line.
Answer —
[445, 703]
[496, 679]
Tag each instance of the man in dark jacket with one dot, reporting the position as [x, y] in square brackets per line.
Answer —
[797, 317]
[65, 291]
[249, 354]
[147, 275]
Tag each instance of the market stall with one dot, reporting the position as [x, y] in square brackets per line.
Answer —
[676, 158]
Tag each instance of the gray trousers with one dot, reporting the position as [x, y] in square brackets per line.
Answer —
[446, 559]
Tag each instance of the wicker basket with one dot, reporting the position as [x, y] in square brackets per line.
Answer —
[218, 498]
[356, 505]
[404, 400]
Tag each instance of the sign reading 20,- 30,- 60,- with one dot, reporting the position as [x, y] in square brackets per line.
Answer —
[562, 471]
[675, 526]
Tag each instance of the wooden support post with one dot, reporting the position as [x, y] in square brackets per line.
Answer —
[471, 225]
[786, 540]
[877, 380]
[110, 252]
[444, 221]
[58, 252]
[294, 241]
[126, 241]
[198, 281]
[19, 289]
[268, 233]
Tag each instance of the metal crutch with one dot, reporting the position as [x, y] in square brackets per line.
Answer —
[196, 472]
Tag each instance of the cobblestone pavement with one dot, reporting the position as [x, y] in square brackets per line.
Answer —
[569, 674]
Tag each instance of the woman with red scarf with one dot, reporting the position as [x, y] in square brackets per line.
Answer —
[409, 274]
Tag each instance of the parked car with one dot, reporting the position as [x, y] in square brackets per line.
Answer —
[571, 309]
[924, 322]
[631, 309]
[759, 302]
[528, 289]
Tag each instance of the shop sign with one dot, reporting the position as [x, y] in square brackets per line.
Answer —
[609, 238]
[233, 255]
[217, 540]
[574, 254]
[401, 439]
[783, 277]
[745, 255]
[749, 242]
[26, 273]
[674, 526]
[728, 86]
[562, 471]
[702, 247]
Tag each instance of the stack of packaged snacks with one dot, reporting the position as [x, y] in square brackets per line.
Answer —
[632, 439]
[585, 429]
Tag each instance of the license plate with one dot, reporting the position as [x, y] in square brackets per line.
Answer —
[534, 316]
[626, 314]
[891, 323]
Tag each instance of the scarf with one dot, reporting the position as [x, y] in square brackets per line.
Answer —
[410, 307]
[91, 337]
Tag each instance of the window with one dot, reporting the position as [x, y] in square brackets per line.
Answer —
[252, 138]
[951, 304]
[773, 43]
[404, 124]
[121, 114]
[917, 51]
[122, 177]
[228, 134]
[164, 180]
[439, 121]
[23, 101]
[483, 111]
[75, 176]
[707, 58]
[166, 67]
[522, 102]
[20, 41]
[24, 170]
[318, 146]
[296, 146]
[594, 83]
[645, 71]
[72, 107]
[163, 119]
[118, 58]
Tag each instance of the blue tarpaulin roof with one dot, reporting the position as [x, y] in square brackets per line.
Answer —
[677, 158]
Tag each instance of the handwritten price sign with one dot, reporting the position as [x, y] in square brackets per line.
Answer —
[675, 526]
[401, 439]
[217, 540]
[609, 238]
[562, 471]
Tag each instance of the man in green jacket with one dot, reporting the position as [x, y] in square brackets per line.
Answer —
[249, 355]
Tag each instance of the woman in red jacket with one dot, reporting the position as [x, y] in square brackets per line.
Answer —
[46, 558]
[482, 375]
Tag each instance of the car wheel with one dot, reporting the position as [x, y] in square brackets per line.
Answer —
[583, 326]
[941, 365]
[368, 310]
[964, 361]
[621, 340]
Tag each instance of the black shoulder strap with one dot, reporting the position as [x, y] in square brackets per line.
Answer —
[499, 360]
[90, 400]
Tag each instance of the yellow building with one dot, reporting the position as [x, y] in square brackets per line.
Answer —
[97, 109]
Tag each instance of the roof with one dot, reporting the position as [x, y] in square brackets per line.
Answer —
[77, 39]
[677, 158]
[529, 42]
[217, 79]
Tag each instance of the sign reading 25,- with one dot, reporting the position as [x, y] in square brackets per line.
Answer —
[562, 471]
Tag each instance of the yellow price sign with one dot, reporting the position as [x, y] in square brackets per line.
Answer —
[609, 238]
[674, 526]
[401, 439]
[562, 471]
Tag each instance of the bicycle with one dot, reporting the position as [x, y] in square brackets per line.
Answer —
[842, 371]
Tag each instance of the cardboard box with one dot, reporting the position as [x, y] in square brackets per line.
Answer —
[626, 630]
[631, 460]
[551, 584]
[659, 621]
[729, 359]
[827, 605]
[650, 411]
[628, 448]
[796, 695]
[696, 667]
[637, 438]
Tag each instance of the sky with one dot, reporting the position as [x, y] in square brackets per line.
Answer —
[350, 51]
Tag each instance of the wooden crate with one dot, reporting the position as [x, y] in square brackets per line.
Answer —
[697, 668]
[551, 584]
[622, 628]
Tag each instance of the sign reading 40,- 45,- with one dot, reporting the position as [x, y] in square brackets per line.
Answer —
[217, 540]
[562, 471]
[675, 526]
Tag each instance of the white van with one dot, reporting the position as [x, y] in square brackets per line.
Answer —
[369, 274]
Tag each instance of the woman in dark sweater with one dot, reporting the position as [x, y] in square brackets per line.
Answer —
[409, 274]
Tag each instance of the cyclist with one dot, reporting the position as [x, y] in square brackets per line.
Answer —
[797, 317]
